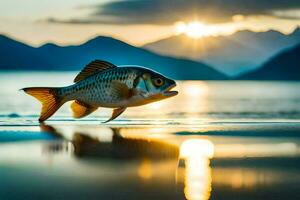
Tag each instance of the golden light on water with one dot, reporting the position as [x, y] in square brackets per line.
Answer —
[256, 150]
[195, 148]
[195, 89]
[155, 105]
[243, 177]
[196, 94]
[196, 154]
[145, 169]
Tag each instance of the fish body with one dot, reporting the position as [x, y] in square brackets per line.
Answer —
[100, 89]
[102, 84]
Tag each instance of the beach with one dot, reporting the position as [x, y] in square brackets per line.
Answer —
[216, 140]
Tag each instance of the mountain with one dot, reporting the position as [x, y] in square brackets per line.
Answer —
[15, 55]
[284, 66]
[232, 54]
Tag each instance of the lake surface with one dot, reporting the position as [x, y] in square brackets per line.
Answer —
[215, 140]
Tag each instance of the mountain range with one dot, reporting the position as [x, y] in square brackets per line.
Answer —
[233, 54]
[15, 55]
[283, 66]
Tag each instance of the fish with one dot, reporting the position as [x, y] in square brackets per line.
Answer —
[103, 84]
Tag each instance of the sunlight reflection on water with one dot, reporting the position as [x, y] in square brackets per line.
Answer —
[124, 157]
[214, 138]
[196, 154]
[197, 100]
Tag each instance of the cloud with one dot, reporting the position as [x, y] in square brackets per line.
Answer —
[164, 12]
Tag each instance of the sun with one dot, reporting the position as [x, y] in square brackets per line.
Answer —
[194, 29]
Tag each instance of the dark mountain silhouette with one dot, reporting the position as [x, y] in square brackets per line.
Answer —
[15, 55]
[284, 66]
[232, 54]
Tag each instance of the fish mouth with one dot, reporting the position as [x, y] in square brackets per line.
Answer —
[169, 92]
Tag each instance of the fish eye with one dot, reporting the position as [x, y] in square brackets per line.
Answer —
[158, 82]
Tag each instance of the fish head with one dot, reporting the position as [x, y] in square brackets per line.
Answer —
[156, 86]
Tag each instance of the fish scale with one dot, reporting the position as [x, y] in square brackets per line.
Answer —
[97, 88]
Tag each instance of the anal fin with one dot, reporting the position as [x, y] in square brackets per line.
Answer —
[81, 109]
[117, 112]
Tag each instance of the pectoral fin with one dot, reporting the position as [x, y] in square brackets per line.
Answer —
[81, 109]
[116, 113]
[121, 90]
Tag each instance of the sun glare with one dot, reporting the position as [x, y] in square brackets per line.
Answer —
[198, 179]
[194, 29]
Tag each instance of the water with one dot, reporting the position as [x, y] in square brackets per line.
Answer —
[215, 140]
[198, 101]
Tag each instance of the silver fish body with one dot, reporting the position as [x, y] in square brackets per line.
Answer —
[97, 89]
[102, 84]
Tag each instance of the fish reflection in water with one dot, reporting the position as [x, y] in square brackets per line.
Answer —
[193, 174]
[194, 167]
[85, 145]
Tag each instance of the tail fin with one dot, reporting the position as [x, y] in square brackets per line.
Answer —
[49, 99]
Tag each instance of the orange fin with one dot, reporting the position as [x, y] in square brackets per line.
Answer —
[121, 90]
[117, 112]
[49, 99]
[93, 68]
[81, 109]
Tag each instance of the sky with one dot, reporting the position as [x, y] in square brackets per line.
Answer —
[141, 21]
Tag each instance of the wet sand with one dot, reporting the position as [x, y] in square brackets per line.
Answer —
[64, 160]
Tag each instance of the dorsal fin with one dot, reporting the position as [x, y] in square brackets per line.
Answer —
[92, 68]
